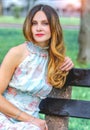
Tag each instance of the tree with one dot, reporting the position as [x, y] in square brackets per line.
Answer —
[1, 8]
[84, 34]
[30, 4]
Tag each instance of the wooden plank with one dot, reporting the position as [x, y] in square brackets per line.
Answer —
[65, 107]
[78, 77]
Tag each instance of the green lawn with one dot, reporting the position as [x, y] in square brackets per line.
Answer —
[10, 19]
[8, 39]
[12, 37]
[70, 20]
[64, 20]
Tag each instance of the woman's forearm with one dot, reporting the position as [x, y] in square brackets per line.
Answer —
[12, 111]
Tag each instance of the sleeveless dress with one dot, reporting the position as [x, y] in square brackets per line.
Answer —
[27, 88]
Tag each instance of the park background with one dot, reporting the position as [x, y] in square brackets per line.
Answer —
[11, 22]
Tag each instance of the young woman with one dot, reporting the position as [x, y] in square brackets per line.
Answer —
[30, 70]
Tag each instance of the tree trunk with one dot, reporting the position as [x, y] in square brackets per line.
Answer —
[84, 34]
[30, 3]
[1, 8]
[54, 122]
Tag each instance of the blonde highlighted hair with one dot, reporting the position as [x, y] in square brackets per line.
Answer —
[56, 77]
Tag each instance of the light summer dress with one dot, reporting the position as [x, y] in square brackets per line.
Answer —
[27, 87]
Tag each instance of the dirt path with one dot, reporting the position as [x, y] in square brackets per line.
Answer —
[10, 25]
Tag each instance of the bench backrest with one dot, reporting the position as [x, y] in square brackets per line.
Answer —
[69, 107]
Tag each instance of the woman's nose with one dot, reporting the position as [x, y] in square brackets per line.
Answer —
[39, 27]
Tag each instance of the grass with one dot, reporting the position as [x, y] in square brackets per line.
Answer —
[70, 20]
[8, 39]
[10, 19]
[64, 21]
[12, 37]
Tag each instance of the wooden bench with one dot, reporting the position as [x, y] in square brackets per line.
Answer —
[59, 108]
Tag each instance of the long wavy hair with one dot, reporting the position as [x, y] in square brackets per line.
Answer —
[55, 76]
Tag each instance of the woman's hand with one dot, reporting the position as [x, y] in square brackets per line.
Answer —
[67, 65]
[40, 123]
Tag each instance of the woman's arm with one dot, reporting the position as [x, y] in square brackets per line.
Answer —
[7, 68]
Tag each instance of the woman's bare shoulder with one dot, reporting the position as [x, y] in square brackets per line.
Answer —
[18, 50]
[16, 54]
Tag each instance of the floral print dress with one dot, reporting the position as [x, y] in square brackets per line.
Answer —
[27, 88]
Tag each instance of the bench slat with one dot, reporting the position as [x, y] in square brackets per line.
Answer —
[78, 77]
[65, 107]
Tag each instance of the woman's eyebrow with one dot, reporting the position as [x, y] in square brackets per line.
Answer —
[44, 20]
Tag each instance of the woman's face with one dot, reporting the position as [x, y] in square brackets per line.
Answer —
[41, 29]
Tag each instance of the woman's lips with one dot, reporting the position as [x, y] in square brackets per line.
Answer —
[39, 35]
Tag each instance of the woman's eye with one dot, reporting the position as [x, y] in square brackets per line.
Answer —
[34, 23]
[46, 23]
